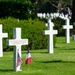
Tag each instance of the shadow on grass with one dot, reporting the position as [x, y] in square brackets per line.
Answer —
[40, 52]
[67, 48]
[35, 52]
[58, 61]
[63, 48]
[6, 70]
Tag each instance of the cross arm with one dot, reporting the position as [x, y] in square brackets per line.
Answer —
[15, 42]
[5, 35]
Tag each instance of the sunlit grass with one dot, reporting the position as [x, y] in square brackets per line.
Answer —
[62, 62]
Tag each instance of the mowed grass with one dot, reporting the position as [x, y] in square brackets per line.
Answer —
[62, 62]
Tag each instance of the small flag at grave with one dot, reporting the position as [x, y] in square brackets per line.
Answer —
[19, 61]
[28, 58]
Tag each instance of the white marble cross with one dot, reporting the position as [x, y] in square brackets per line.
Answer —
[18, 42]
[67, 27]
[2, 35]
[50, 32]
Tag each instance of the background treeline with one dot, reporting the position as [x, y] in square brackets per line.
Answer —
[16, 8]
[24, 9]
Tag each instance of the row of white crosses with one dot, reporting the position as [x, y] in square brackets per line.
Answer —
[16, 41]
[50, 32]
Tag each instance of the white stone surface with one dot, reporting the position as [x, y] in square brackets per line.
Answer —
[2, 35]
[67, 27]
[17, 42]
[50, 32]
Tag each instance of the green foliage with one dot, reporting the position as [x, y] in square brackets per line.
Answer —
[24, 9]
[21, 9]
[31, 29]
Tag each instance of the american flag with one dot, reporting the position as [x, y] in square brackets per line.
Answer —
[28, 58]
[19, 60]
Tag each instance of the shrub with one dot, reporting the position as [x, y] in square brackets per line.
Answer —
[31, 29]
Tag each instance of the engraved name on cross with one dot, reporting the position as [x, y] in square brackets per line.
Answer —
[67, 27]
[18, 42]
[50, 32]
[2, 35]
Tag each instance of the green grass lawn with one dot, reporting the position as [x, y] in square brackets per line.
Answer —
[62, 62]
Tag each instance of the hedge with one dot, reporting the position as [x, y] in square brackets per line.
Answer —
[31, 29]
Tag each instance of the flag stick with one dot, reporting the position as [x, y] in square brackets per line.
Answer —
[28, 69]
[28, 60]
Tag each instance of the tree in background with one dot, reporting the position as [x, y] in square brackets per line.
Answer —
[24, 9]
[44, 5]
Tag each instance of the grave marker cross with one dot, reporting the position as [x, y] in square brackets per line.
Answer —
[50, 32]
[18, 42]
[67, 27]
[2, 35]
